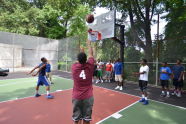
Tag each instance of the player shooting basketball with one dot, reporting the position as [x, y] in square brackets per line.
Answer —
[82, 96]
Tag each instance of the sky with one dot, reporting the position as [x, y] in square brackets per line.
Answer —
[98, 11]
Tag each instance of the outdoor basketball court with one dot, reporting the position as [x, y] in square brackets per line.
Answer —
[18, 106]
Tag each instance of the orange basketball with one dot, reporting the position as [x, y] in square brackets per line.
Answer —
[90, 18]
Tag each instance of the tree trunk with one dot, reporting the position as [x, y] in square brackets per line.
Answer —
[148, 48]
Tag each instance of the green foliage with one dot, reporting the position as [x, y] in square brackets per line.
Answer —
[108, 51]
[132, 55]
[140, 13]
[66, 18]
[45, 18]
[77, 22]
[175, 45]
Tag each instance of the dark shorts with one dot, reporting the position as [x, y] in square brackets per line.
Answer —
[177, 83]
[95, 73]
[164, 83]
[143, 85]
[82, 109]
[42, 80]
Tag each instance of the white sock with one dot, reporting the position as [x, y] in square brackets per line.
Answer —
[146, 98]
[37, 92]
[167, 93]
[48, 92]
[143, 96]
[163, 92]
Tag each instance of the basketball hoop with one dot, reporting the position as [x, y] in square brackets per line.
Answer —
[94, 35]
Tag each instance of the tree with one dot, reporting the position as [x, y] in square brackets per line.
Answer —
[17, 17]
[175, 30]
[108, 50]
[140, 13]
[45, 18]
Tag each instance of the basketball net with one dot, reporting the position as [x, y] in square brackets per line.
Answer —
[94, 35]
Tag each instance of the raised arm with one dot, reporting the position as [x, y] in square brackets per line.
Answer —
[39, 70]
[33, 70]
[90, 50]
[82, 49]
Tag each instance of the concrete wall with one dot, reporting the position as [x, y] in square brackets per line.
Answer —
[8, 54]
[33, 48]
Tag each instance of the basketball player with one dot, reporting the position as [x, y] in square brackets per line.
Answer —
[82, 96]
[42, 79]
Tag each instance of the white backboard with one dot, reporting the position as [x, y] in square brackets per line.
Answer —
[104, 24]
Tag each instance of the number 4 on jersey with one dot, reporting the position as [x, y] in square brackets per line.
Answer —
[82, 74]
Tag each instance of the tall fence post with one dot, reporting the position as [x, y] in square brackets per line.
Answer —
[66, 55]
[157, 49]
[157, 62]
[13, 43]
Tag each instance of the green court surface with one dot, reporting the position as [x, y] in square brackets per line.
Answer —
[24, 87]
[154, 113]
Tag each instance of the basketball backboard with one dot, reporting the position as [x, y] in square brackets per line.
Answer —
[103, 26]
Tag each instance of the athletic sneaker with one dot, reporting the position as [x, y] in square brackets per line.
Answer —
[121, 88]
[174, 93]
[178, 94]
[167, 95]
[109, 81]
[97, 81]
[117, 87]
[37, 95]
[146, 102]
[49, 96]
[101, 81]
[142, 100]
[162, 95]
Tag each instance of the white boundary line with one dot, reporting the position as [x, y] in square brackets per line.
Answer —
[138, 96]
[149, 99]
[106, 89]
[169, 104]
[1, 85]
[117, 112]
[18, 82]
[33, 96]
[118, 92]
[17, 78]
[25, 78]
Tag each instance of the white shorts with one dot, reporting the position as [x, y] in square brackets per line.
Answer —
[118, 78]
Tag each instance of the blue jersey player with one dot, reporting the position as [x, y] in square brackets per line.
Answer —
[48, 72]
[118, 68]
[42, 80]
[165, 73]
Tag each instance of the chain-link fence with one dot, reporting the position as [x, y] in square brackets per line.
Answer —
[65, 53]
[22, 52]
[154, 71]
[68, 49]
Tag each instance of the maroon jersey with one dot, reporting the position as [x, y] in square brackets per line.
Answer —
[82, 76]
